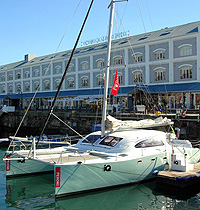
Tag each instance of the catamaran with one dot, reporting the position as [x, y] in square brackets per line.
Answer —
[121, 153]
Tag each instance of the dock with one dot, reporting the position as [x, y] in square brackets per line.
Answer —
[179, 180]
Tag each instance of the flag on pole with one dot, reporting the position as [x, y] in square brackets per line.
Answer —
[115, 86]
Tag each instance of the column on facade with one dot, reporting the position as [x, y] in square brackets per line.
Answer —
[126, 66]
[91, 72]
[147, 69]
[171, 55]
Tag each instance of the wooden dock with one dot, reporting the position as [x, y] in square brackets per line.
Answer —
[180, 180]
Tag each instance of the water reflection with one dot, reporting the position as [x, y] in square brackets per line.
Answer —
[37, 192]
[30, 192]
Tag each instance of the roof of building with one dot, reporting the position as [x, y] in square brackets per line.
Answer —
[135, 40]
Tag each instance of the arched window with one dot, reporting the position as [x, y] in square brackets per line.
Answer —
[84, 65]
[137, 76]
[36, 85]
[19, 87]
[159, 74]
[185, 50]
[117, 60]
[3, 89]
[85, 81]
[18, 75]
[46, 85]
[27, 87]
[58, 69]
[27, 74]
[71, 67]
[100, 79]
[137, 57]
[36, 73]
[57, 82]
[3, 78]
[185, 71]
[10, 77]
[100, 63]
[159, 54]
[70, 82]
[10, 88]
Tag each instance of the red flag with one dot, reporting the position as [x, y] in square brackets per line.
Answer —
[115, 86]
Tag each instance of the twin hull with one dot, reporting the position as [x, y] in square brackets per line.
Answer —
[80, 177]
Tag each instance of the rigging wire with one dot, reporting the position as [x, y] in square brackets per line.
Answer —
[46, 71]
[66, 69]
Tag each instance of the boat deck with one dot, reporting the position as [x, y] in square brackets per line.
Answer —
[66, 158]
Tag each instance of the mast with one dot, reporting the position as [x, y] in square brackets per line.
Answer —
[105, 96]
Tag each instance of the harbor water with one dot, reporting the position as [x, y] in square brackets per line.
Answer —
[37, 192]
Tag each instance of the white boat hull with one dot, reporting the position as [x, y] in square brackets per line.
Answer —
[27, 167]
[79, 178]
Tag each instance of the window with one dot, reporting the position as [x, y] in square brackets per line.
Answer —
[57, 83]
[10, 89]
[27, 74]
[185, 50]
[70, 83]
[159, 54]
[144, 37]
[19, 87]
[120, 79]
[91, 139]
[36, 85]
[137, 76]
[100, 63]
[159, 74]
[10, 77]
[27, 87]
[149, 143]
[71, 67]
[117, 60]
[137, 57]
[100, 80]
[46, 85]
[85, 81]
[36, 73]
[3, 78]
[166, 32]
[110, 141]
[3, 89]
[185, 71]
[58, 69]
[18, 75]
[84, 65]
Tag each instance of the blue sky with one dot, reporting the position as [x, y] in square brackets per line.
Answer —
[37, 26]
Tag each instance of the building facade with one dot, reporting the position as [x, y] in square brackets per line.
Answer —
[160, 67]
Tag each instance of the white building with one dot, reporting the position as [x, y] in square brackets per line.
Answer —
[160, 67]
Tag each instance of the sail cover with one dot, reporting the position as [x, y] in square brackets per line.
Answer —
[113, 124]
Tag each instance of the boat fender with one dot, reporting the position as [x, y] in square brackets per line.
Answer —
[155, 172]
[176, 162]
[166, 166]
[107, 168]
